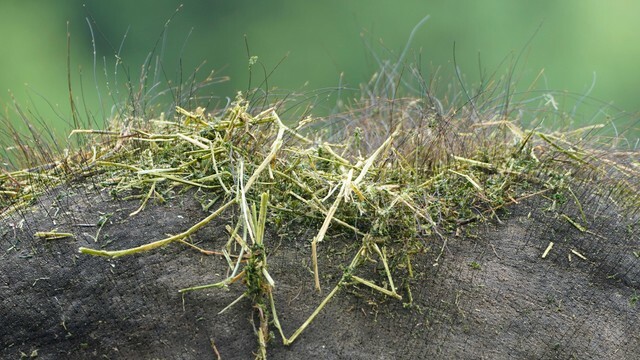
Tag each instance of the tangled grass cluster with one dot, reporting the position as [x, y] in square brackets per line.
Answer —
[400, 174]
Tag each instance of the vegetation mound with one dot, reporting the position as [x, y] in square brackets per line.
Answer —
[396, 177]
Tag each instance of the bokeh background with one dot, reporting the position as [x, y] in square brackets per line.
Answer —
[574, 41]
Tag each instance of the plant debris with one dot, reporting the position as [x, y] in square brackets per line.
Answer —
[400, 183]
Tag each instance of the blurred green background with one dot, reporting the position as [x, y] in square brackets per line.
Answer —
[576, 39]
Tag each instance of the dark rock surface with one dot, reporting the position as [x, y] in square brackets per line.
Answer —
[489, 295]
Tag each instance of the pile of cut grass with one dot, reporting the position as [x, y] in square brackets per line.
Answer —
[400, 176]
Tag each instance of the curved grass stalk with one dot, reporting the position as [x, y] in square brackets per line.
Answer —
[159, 243]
